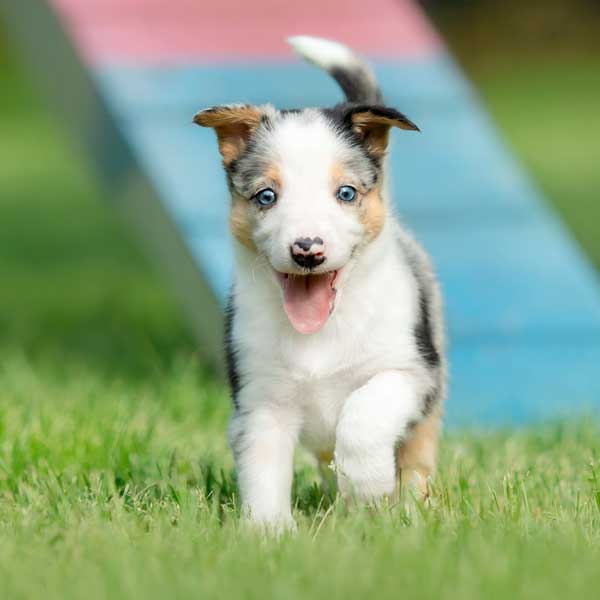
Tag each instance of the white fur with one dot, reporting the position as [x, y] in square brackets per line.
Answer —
[371, 422]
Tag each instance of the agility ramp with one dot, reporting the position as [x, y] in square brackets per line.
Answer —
[523, 303]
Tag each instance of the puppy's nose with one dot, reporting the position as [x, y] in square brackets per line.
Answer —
[308, 252]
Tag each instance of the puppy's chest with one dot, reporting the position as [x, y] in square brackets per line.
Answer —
[326, 375]
[321, 403]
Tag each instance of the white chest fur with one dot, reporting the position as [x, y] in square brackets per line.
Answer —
[370, 331]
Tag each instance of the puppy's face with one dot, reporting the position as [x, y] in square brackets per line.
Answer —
[306, 192]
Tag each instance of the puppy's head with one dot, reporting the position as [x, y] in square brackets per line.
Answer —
[306, 190]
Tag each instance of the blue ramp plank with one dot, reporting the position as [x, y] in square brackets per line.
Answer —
[524, 381]
[523, 279]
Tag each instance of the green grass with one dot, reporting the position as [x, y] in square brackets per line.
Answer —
[115, 478]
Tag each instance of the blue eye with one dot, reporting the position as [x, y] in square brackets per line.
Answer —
[346, 193]
[266, 197]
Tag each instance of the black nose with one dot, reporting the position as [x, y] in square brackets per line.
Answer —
[308, 252]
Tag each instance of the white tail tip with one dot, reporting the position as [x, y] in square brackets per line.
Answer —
[324, 53]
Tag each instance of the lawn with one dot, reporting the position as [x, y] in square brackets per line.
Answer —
[115, 478]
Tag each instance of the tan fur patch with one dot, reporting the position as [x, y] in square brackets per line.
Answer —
[417, 456]
[233, 126]
[373, 213]
[337, 175]
[371, 209]
[375, 130]
[272, 176]
[241, 221]
[241, 215]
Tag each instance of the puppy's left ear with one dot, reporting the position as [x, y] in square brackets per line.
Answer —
[372, 125]
[233, 124]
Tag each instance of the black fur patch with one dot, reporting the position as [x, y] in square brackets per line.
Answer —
[231, 353]
[423, 333]
[429, 402]
[349, 109]
[424, 338]
[356, 85]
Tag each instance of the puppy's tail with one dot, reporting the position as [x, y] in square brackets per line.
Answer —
[353, 75]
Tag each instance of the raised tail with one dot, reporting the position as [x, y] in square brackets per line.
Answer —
[353, 75]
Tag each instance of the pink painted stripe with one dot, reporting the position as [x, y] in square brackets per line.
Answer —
[207, 31]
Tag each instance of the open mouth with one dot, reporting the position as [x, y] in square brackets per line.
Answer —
[308, 300]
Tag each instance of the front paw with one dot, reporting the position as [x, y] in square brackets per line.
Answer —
[271, 525]
[360, 482]
[365, 472]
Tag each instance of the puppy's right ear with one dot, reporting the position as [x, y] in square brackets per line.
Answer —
[233, 124]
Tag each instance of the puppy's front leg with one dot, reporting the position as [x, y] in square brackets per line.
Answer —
[263, 442]
[374, 419]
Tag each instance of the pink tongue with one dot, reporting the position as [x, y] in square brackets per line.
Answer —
[307, 300]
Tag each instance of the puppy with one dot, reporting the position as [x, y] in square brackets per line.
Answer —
[334, 327]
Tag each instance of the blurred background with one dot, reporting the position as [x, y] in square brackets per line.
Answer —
[75, 286]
